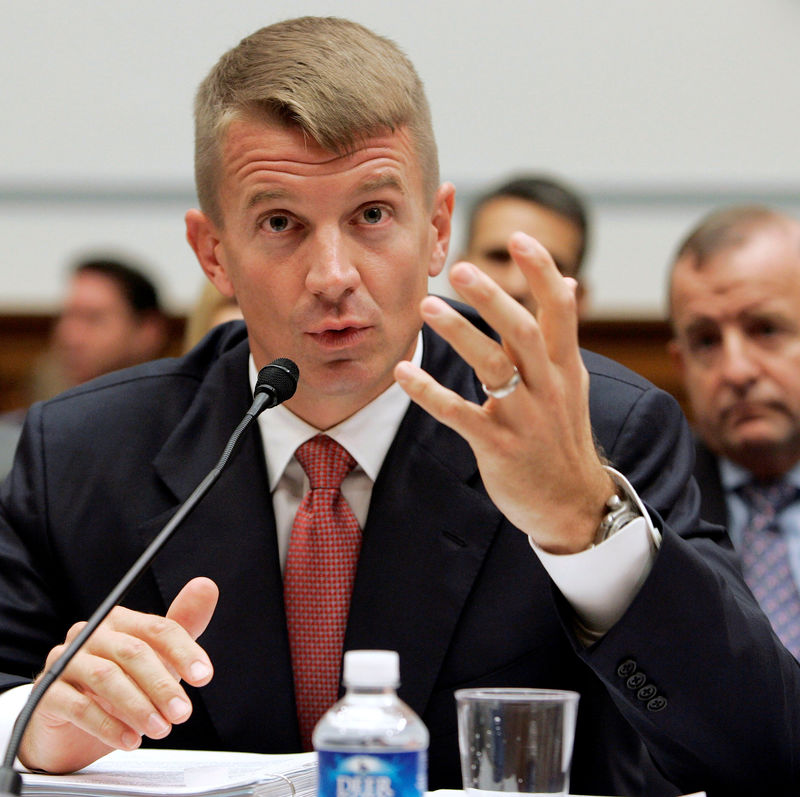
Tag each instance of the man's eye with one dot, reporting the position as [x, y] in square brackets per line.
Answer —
[373, 215]
[703, 342]
[764, 330]
[278, 223]
[501, 257]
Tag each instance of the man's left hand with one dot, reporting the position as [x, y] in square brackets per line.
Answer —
[534, 446]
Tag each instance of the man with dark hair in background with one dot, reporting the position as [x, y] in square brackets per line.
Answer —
[111, 318]
[545, 208]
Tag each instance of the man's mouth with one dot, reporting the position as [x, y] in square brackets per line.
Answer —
[744, 411]
[338, 337]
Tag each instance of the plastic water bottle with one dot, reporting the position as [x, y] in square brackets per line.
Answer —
[370, 743]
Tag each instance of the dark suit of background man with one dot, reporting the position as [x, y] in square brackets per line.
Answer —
[323, 214]
[735, 309]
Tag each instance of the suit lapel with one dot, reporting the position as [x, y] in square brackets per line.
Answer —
[712, 494]
[230, 537]
[429, 527]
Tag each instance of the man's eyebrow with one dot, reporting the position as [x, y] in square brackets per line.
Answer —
[382, 181]
[700, 324]
[266, 196]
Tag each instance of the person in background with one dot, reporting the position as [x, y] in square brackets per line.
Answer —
[497, 506]
[734, 300]
[212, 308]
[111, 318]
[544, 208]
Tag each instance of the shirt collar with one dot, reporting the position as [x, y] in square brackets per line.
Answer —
[734, 476]
[367, 434]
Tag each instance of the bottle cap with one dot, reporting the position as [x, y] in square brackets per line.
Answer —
[371, 668]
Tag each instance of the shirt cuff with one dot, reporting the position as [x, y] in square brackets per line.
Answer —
[12, 702]
[602, 581]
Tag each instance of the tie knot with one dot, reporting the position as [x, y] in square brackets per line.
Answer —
[768, 497]
[325, 462]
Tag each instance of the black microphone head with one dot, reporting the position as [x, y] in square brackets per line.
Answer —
[278, 380]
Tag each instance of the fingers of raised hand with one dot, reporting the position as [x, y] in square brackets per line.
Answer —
[443, 404]
[555, 296]
[490, 360]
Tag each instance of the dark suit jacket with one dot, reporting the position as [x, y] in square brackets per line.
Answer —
[443, 577]
[713, 506]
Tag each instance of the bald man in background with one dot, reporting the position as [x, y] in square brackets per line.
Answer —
[735, 310]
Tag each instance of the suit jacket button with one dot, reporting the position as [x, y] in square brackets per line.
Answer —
[627, 668]
[636, 681]
[646, 692]
[657, 704]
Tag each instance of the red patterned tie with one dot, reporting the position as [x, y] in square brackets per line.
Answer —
[320, 568]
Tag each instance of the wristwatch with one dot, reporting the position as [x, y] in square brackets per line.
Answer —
[621, 511]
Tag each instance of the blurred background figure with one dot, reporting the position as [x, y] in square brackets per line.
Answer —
[211, 308]
[111, 318]
[547, 209]
[735, 311]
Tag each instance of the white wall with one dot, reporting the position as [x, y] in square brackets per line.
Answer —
[658, 110]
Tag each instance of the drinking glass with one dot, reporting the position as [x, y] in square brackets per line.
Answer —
[516, 740]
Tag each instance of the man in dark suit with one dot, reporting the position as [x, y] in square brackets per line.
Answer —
[735, 310]
[323, 215]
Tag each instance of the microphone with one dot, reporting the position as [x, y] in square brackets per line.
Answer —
[275, 384]
[277, 381]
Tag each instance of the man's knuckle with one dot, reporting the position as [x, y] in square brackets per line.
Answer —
[131, 650]
[450, 409]
[526, 331]
[163, 685]
[101, 671]
[75, 629]
[161, 626]
[80, 706]
[107, 727]
[497, 362]
[117, 615]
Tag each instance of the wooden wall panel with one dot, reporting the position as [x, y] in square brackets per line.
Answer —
[639, 344]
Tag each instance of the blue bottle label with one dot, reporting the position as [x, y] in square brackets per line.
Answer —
[343, 774]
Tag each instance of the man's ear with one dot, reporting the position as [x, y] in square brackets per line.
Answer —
[442, 221]
[205, 240]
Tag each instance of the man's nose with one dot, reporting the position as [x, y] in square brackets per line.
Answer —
[739, 360]
[332, 273]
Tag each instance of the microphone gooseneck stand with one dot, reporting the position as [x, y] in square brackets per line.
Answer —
[276, 383]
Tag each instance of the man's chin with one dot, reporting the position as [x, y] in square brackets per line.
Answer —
[754, 445]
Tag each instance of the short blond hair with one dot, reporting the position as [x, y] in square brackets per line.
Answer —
[333, 79]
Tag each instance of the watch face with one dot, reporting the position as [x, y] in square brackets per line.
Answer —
[622, 510]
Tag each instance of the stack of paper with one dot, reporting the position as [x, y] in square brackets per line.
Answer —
[183, 773]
